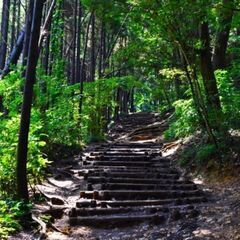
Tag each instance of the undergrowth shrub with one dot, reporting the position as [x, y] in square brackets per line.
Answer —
[184, 121]
[100, 97]
[204, 153]
[198, 154]
[10, 89]
[10, 214]
[230, 98]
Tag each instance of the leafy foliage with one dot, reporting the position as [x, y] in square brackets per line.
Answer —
[185, 120]
[230, 98]
[9, 127]
[10, 213]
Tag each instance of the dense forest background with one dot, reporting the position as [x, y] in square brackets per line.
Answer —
[69, 69]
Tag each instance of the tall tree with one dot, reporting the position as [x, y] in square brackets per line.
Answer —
[73, 75]
[4, 32]
[224, 26]
[13, 23]
[22, 150]
[209, 79]
[79, 34]
[29, 17]
[93, 50]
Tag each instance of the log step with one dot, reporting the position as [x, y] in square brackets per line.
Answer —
[110, 221]
[172, 201]
[128, 158]
[103, 171]
[134, 180]
[121, 149]
[138, 194]
[123, 168]
[135, 175]
[123, 153]
[75, 212]
[125, 163]
[128, 186]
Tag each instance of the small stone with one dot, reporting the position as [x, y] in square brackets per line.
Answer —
[194, 213]
[175, 215]
[57, 201]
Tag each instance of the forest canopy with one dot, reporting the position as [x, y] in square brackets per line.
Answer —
[70, 68]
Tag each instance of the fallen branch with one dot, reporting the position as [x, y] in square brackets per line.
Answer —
[43, 225]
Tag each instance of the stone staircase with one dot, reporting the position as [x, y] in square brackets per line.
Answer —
[130, 182]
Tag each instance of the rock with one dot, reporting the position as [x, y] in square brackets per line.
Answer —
[175, 215]
[57, 201]
[194, 213]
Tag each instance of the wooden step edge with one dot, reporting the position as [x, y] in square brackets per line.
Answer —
[109, 221]
[168, 201]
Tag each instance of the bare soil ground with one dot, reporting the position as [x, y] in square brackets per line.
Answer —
[219, 217]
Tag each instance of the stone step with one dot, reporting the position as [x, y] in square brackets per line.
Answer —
[138, 146]
[86, 169]
[160, 180]
[122, 158]
[130, 170]
[119, 220]
[118, 210]
[127, 163]
[169, 201]
[122, 150]
[123, 153]
[134, 175]
[138, 194]
[128, 186]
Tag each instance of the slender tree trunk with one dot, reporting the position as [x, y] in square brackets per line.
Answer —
[47, 53]
[100, 51]
[79, 30]
[15, 53]
[27, 34]
[104, 49]
[83, 65]
[198, 99]
[73, 75]
[207, 72]
[13, 27]
[132, 108]
[93, 60]
[4, 32]
[224, 26]
[117, 99]
[18, 17]
[22, 150]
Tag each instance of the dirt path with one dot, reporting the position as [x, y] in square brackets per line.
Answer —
[129, 188]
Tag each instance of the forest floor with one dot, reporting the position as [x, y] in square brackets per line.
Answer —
[219, 217]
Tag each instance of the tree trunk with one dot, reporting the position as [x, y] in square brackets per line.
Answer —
[4, 32]
[18, 17]
[22, 150]
[209, 80]
[73, 75]
[101, 50]
[28, 30]
[93, 60]
[79, 30]
[225, 20]
[15, 54]
[83, 65]
[13, 26]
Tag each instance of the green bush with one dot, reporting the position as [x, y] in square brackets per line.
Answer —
[10, 214]
[10, 89]
[184, 121]
[204, 153]
[230, 98]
